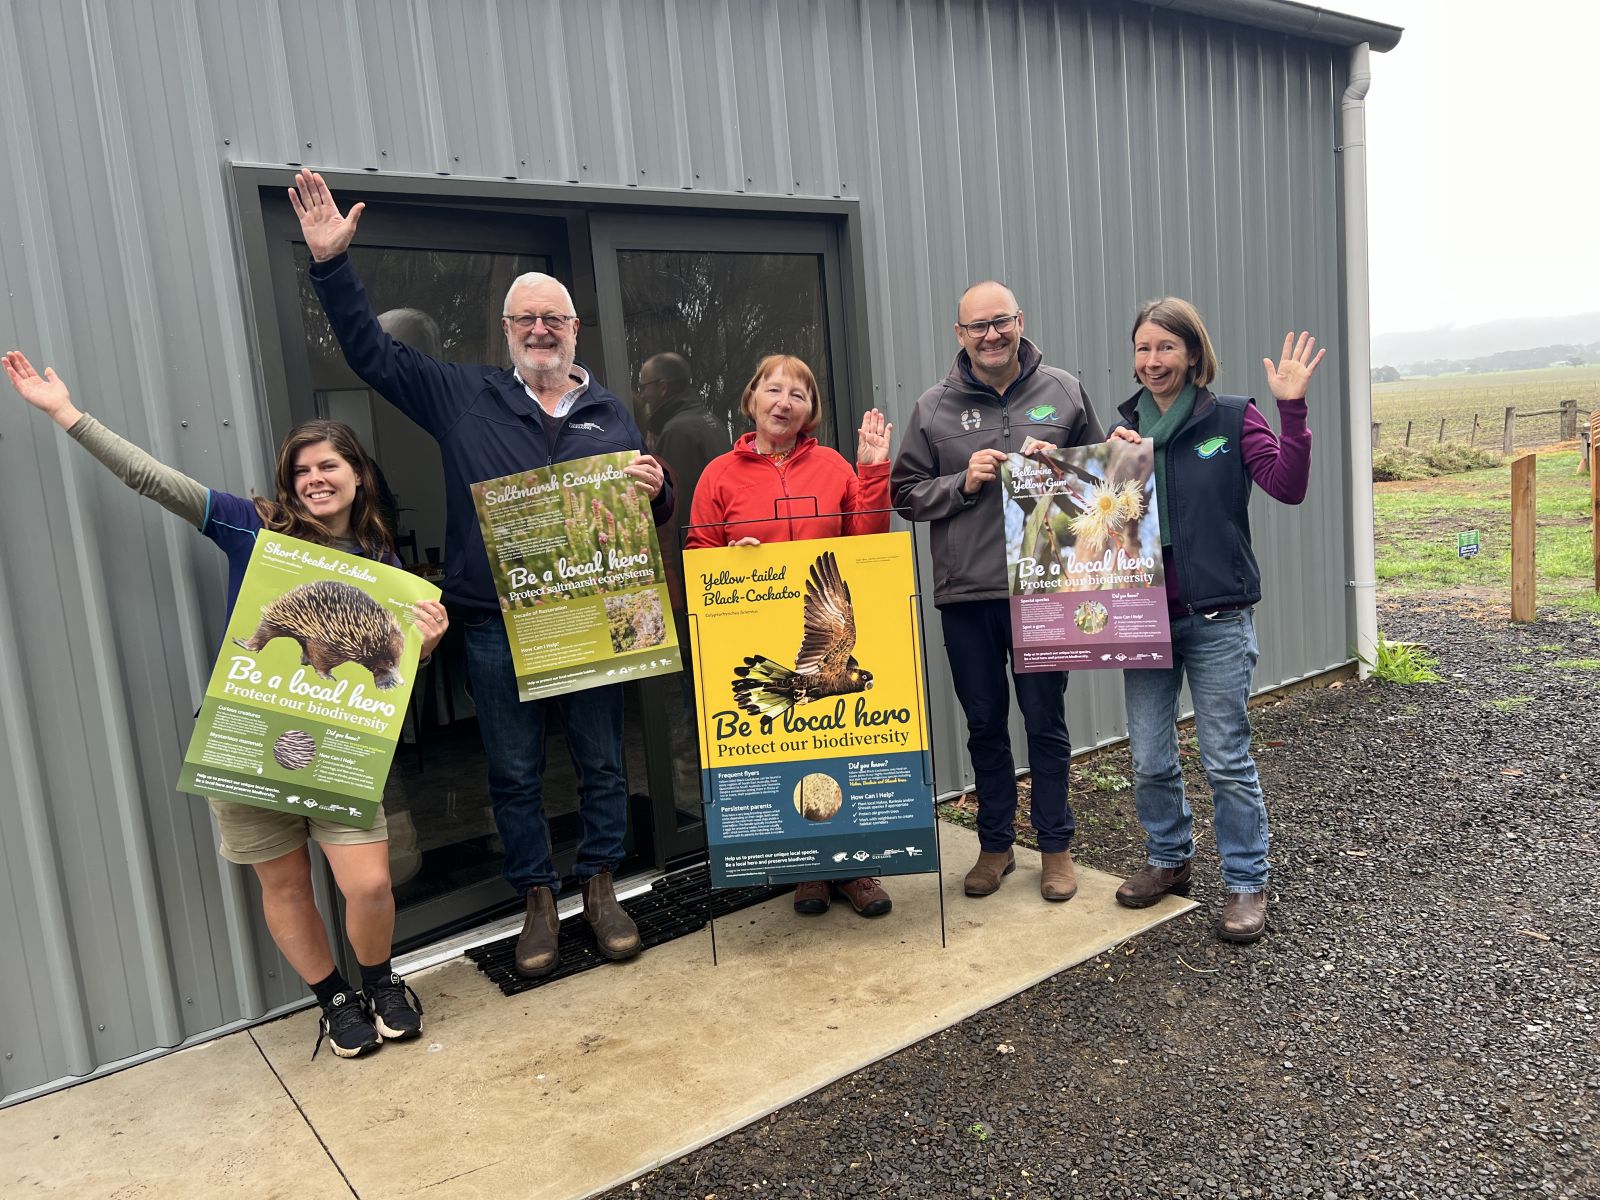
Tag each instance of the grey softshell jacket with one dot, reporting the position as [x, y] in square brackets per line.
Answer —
[953, 419]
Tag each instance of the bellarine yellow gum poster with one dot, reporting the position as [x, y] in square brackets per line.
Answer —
[813, 741]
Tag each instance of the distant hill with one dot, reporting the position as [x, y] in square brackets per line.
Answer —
[1536, 359]
[1467, 342]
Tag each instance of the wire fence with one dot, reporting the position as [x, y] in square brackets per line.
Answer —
[1505, 429]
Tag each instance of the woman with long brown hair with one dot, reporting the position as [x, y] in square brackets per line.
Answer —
[326, 493]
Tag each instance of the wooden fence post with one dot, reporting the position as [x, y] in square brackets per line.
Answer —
[1408, 434]
[1441, 431]
[1376, 426]
[1594, 491]
[1474, 441]
[1511, 428]
[1522, 534]
[1569, 420]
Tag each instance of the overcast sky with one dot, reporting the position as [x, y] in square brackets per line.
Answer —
[1484, 127]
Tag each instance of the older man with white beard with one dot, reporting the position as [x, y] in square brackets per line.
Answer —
[490, 422]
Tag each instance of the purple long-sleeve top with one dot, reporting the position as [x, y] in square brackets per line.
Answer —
[1279, 466]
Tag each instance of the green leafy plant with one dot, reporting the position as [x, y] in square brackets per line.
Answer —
[1105, 778]
[1508, 704]
[1405, 663]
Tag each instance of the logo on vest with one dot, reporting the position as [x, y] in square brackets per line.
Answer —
[1043, 413]
[971, 418]
[1212, 447]
[589, 425]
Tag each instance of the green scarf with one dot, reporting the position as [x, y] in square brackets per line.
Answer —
[1160, 427]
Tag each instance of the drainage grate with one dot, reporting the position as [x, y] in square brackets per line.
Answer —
[678, 904]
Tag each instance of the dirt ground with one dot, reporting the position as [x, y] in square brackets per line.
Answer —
[1419, 1021]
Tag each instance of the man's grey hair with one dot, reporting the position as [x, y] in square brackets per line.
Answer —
[536, 279]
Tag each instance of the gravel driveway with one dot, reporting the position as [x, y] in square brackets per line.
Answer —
[1420, 1021]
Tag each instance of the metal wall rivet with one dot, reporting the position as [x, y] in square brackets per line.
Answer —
[224, 424]
[102, 1028]
[183, 424]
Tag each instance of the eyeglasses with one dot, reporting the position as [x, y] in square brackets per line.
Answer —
[554, 322]
[980, 329]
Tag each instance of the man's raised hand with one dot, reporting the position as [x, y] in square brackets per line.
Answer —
[328, 233]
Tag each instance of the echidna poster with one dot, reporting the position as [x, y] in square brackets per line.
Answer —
[813, 736]
[306, 700]
[578, 571]
[1083, 549]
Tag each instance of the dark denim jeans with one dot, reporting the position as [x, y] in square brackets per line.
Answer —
[977, 638]
[1218, 654]
[514, 738]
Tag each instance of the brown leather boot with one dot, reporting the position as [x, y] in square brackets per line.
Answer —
[537, 950]
[1149, 883]
[866, 896]
[986, 874]
[615, 934]
[1244, 917]
[1058, 876]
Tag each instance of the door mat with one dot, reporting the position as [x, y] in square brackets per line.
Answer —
[677, 904]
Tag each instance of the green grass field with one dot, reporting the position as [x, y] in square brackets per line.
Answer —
[1416, 525]
[1455, 398]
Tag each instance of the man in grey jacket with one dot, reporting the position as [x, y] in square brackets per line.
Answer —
[998, 398]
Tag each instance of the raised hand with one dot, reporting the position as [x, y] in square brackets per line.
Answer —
[1290, 378]
[872, 439]
[328, 233]
[45, 392]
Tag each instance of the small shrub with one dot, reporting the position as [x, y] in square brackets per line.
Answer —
[1397, 463]
[1404, 663]
[1452, 458]
[1441, 458]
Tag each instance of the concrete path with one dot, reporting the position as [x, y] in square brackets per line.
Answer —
[571, 1088]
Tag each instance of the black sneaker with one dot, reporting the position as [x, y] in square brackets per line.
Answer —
[345, 1025]
[394, 1009]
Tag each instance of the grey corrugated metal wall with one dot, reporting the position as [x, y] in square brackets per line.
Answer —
[1091, 154]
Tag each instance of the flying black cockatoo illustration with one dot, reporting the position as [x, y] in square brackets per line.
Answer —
[824, 666]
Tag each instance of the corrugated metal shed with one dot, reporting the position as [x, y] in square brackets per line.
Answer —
[1090, 154]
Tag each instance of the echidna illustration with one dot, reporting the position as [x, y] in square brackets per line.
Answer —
[294, 750]
[824, 666]
[334, 623]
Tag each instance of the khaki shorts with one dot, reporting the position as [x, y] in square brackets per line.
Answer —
[256, 835]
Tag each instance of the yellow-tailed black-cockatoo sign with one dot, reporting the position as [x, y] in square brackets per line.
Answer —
[825, 665]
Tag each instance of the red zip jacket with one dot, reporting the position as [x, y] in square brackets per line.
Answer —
[814, 494]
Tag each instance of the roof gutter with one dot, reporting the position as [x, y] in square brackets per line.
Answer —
[1284, 16]
[1358, 352]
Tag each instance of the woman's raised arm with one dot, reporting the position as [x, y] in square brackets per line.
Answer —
[142, 472]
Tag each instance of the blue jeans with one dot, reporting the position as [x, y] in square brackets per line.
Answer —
[1218, 656]
[513, 739]
[977, 638]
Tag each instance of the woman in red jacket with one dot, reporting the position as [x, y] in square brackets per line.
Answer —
[779, 484]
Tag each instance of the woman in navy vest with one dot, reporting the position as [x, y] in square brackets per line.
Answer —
[1209, 451]
[326, 493]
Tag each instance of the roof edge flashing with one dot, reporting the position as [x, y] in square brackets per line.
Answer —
[1287, 16]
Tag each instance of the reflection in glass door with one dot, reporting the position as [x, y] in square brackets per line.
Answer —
[698, 303]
